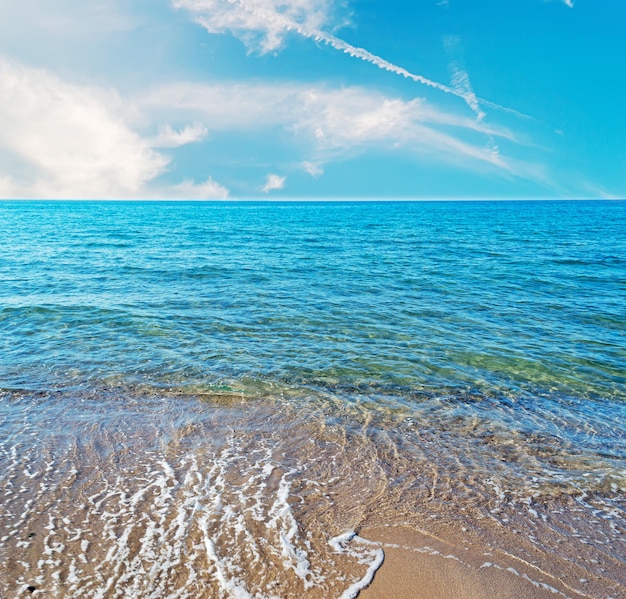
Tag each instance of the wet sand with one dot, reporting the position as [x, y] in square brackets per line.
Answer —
[421, 566]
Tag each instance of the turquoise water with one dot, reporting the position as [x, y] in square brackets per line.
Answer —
[495, 329]
[526, 297]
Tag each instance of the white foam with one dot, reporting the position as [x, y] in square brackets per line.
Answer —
[371, 554]
[283, 520]
[232, 586]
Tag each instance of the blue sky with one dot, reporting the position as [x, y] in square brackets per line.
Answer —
[319, 99]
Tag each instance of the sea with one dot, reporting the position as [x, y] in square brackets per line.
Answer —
[216, 399]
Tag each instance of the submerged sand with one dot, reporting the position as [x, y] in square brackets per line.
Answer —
[152, 496]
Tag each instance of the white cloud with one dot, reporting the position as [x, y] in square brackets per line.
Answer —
[168, 137]
[273, 182]
[314, 169]
[73, 138]
[189, 190]
[260, 24]
[61, 140]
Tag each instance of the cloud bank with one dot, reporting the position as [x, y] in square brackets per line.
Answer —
[61, 140]
[328, 123]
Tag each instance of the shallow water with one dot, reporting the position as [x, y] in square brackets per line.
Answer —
[210, 400]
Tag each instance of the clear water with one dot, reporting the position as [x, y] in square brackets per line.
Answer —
[482, 341]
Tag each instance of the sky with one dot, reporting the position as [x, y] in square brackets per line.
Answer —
[312, 99]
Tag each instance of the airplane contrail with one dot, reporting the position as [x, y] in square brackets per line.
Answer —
[470, 98]
[287, 24]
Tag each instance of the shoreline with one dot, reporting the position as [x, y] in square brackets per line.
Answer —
[145, 492]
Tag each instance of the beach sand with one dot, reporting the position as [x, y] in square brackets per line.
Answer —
[420, 566]
[149, 495]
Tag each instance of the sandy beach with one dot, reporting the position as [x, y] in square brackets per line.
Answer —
[421, 566]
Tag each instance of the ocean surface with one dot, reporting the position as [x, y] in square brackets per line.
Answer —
[213, 399]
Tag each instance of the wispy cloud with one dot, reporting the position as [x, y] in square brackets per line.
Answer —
[314, 169]
[190, 190]
[264, 25]
[169, 137]
[459, 77]
[273, 182]
[62, 140]
[328, 124]
[568, 3]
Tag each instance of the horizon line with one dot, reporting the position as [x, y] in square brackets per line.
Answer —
[354, 199]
